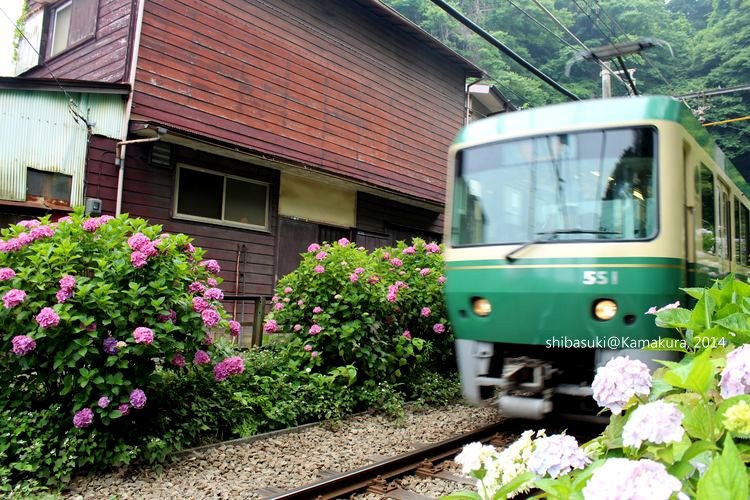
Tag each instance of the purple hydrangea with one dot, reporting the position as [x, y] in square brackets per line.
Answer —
[6, 274]
[234, 327]
[214, 294]
[63, 295]
[438, 328]
[735, 378]
[123, 408]
[138, 259]
[210, 317]
[656, 422]
[201, 358]
[199, 304]
[178, 360]
[228, 367]
[620, 478]
[137, 399]
[143, 335]
[211, 266]
[83, 418]
[171, 315]
[109, 345]
[618, 381]
[13, 297]
[47, 318]
[67, 282]
[103, 402]
[196, 287]
[557, 455]
[22, 345]
[270, 326]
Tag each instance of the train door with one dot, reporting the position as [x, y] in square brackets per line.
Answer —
[707, 266]
[724, 228]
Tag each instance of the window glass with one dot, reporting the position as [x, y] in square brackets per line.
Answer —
[745, 235]
[52, 186]
[216, 197]
[61, 27]
[707, 209]
[594, 185]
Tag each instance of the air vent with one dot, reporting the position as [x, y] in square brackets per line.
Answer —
[161, 155]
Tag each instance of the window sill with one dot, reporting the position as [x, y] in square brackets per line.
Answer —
[222, 223]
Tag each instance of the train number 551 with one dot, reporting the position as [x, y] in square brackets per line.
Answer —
[600, 277]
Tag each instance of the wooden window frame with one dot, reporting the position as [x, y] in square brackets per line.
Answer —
[84, 19]
[222, 221]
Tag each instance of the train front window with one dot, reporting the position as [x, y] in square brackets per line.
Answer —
[593, 185]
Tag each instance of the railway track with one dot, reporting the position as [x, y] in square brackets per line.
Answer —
[377, 477]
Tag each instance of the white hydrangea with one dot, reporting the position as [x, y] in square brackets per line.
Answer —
[556, 455]
[735, 378]
[656, 422]
[619, 380]
[623, 479]
[473, 456]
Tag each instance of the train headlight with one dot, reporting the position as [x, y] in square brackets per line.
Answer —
[481, 307]
[605, 309]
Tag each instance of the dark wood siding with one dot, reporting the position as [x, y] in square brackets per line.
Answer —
[396, 221]
[103, 58]
[331, 85]
[101, 173]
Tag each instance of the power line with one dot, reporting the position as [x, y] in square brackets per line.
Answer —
[731, 120]
[718, 91]
[503, 48]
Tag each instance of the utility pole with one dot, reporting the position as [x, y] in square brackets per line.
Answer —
[606, 75]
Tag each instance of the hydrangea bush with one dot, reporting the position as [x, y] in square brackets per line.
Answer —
[381, 312]
[681, 431]
[91, 307]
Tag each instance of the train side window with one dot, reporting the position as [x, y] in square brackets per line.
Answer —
[744, 234]
[707, 209]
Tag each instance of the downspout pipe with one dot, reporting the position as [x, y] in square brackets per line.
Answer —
[467, 104]
[120, 163]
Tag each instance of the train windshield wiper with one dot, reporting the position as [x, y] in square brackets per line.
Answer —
[545, 237]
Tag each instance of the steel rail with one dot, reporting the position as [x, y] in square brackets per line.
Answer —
[348, 482]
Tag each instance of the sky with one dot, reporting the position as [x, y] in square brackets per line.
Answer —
[13, 9]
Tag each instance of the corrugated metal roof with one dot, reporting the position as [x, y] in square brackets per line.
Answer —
[40, 131]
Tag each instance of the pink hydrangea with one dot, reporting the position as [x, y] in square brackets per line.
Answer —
[178, 360]
[354, 277]
[317, 310]
[271, 326]
[432, 247]
[95, 223]
[442, 279]
[288, 289]
[234, 327]
[171, 315]
[425, 312]
[396, 262]
[438, 328]
[620, 479]
[47, 318]
[556, 455]
[618, 381]
[343, 242]
[319, 269]
[313, 247]
[24, 239]
[139, 241]
[27, 223]
[308, 347]
[103, 402]
[735, 378]
[143, 335]
[407, 334]
[230, 366]
[409, 251]
[315, 329]
[138, 259]
[65, 219]
[373, 279]
[201, 358]
[211, 265]
[321, 255]
[278, 306]
[137, 399]
[424, 271]
[658, 422]
[22, 345]
[6, 274]
[210, 317]
[297, 327]
[214, 294]
[63, 295]
[314, 354]
[359, 270]
[300, 302]
[83, 418]
[392, 293]
[13, 297]
[196, 287]
[199, 304]
[41, 232]
[212, 282]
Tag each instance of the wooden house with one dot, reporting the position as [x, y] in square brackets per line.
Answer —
[259, 126]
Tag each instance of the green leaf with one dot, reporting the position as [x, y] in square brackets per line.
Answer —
[726, 476]
[462, 495]
[513, 485]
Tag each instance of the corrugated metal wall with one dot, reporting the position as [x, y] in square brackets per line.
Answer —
[38, 130]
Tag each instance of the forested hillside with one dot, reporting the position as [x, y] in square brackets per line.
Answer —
[710, 41]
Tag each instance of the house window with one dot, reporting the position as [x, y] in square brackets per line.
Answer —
[48, 187]
[71, 22]
[213, 197]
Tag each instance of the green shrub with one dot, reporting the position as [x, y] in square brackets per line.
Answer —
[380, 312]
[92, 307]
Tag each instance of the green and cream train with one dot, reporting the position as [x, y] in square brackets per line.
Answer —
[564, 225]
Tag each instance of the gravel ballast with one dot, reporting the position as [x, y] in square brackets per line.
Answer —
[284, 460]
